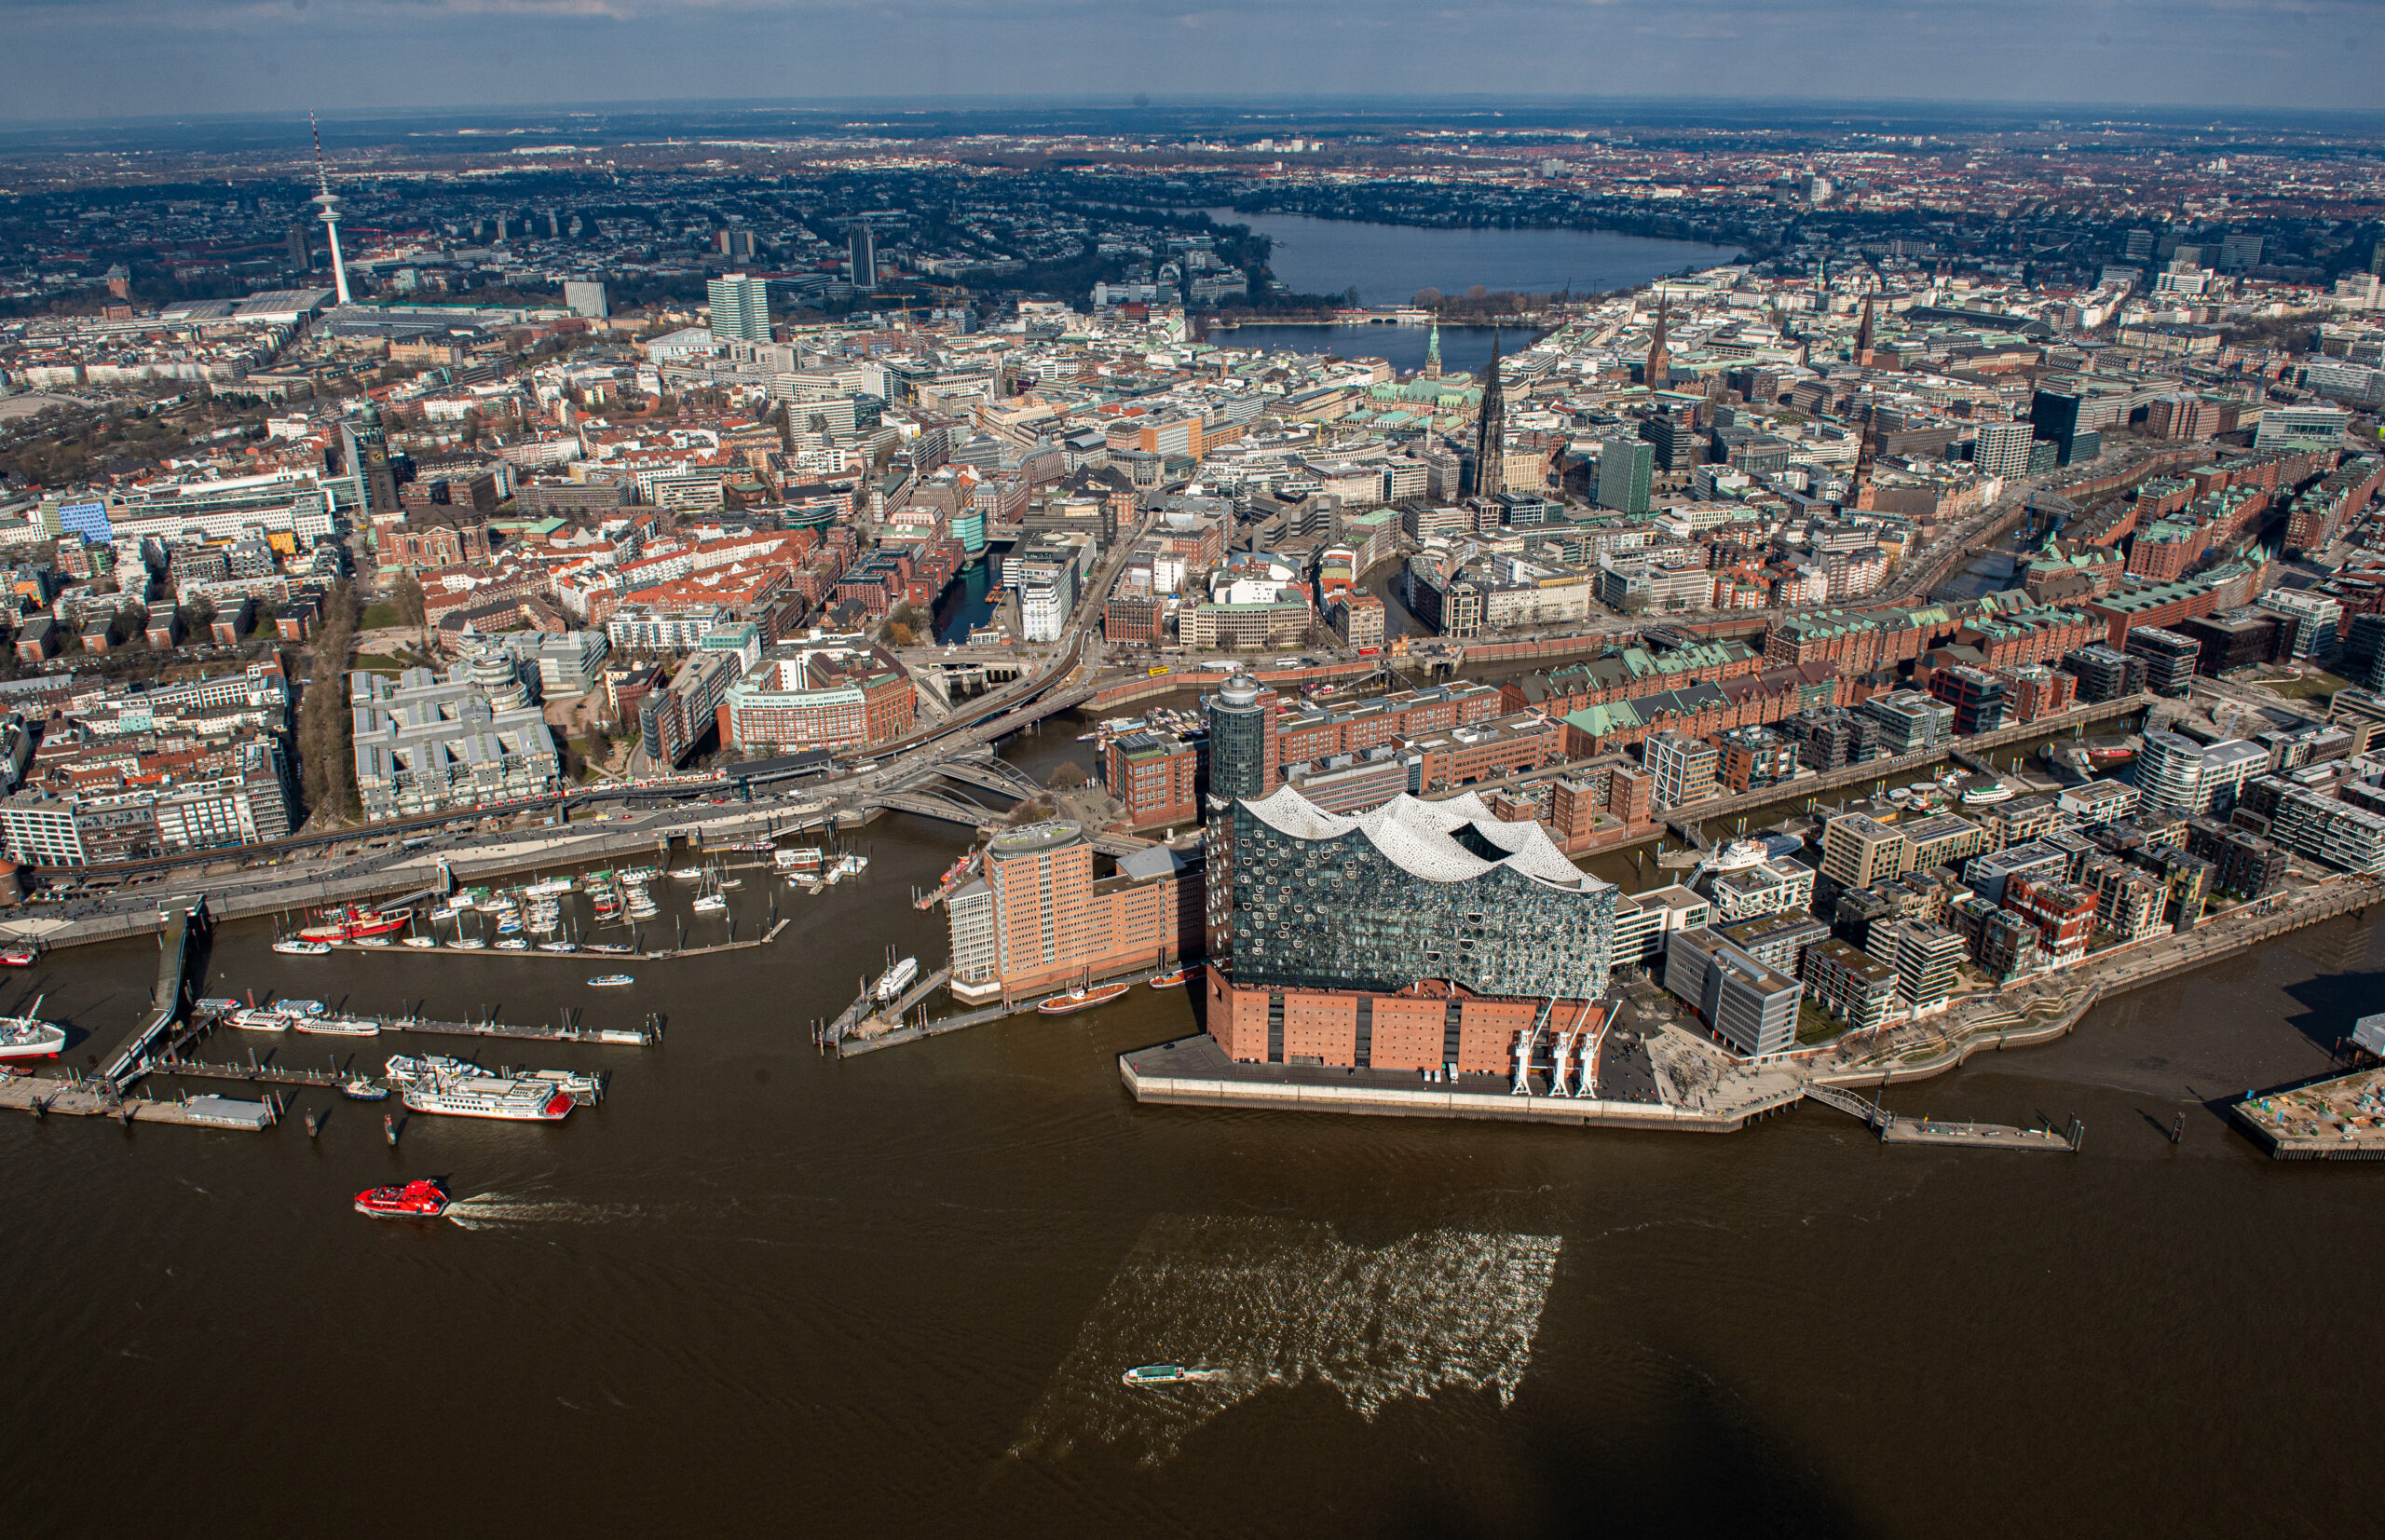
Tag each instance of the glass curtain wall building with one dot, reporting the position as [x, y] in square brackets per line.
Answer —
[1412, 890]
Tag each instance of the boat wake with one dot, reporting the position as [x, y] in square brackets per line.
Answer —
[1266, 1303]
[490, 1211]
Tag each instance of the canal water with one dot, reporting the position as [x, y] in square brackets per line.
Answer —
[756, 1290]
[968, 603]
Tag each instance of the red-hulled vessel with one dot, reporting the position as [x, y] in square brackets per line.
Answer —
[1173, 978]
[424, 1198]
[354, 923]
[1081, 998]
[19, 957]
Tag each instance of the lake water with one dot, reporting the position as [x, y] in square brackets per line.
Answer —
[1464, 349]
[757, 1291]
[1389, 264]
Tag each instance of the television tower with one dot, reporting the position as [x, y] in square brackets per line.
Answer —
[329, 201]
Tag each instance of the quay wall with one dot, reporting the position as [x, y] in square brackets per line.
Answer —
[411, 874]
[1429, 1102]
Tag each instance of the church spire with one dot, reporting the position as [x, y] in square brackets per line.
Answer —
[1660, 358]
[1491, 431]
[1863, 331]
[1433, 353]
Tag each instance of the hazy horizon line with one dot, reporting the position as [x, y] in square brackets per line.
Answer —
[1349, 105]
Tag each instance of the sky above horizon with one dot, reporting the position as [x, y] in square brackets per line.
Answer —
[102, 59]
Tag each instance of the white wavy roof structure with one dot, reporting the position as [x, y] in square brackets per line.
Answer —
[1420, 838]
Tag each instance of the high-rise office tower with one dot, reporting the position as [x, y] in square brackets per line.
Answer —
[741, 308]
[587, 297]
[364, 451]
[1626, 468]
[301, 257]
[2003, 449]
[860, 250]
[1242, 739]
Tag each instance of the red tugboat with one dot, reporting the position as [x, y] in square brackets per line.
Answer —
[424, 1198]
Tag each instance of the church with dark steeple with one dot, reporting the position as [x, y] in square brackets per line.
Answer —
[1660, 357]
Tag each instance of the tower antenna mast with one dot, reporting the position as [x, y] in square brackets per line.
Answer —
[329, 201]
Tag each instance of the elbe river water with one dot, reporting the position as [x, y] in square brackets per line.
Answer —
[758, 1290]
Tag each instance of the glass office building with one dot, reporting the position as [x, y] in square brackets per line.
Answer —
[1412, 890]
[1242, 739]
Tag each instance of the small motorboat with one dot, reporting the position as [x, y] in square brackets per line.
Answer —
[424, 1198]
[1173, 978]
[710, 904]
[610, 949]
[422, 942]
[512, 943]
[359, 1088]
[558, 946]
[470, 944]
[1166, 1374]
[299, 946]
[611, 981]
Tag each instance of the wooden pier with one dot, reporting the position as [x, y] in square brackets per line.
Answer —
[581, 955]
[643, 1036]
[850, 1047]
[175, 939]
[1979, 1136]
[98, 1099]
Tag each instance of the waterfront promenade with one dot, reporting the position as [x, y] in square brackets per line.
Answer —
[1714, 1092]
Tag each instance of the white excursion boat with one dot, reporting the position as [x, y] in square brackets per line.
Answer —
[250, 1019]
[504, 1097]
[711, 904]
[405, 1069]
[339, 1027]
[894, 980]
[30, 1037]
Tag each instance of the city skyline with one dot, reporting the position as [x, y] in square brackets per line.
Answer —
[80, 60]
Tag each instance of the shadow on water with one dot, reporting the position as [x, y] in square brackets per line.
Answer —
[2332, 1002]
